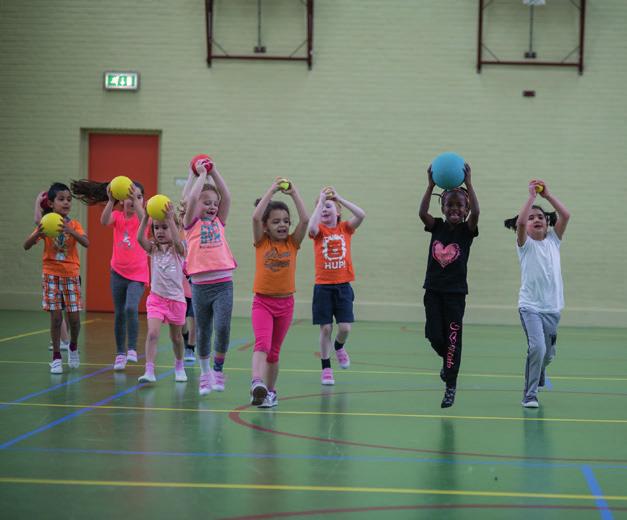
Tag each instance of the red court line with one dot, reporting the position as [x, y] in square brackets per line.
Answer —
[285, 514]
[237, 419]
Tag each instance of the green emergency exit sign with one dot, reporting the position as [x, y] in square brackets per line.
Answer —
[114, 80]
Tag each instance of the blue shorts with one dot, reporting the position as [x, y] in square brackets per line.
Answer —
[332, 300]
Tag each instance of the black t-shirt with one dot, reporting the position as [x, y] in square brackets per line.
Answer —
[448, 257]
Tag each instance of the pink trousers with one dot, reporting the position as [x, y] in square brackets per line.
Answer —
[271, 319]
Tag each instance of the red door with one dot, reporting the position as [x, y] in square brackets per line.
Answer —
[137, 157]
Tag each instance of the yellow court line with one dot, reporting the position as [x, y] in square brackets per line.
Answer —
[319, 413]
[333, 489]
[352, 371]
[2, 340]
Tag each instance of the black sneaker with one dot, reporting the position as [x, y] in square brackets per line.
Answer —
[449, 397]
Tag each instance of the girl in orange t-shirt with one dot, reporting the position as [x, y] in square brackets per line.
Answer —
[333, 294]
[274, 286]
[61, 274]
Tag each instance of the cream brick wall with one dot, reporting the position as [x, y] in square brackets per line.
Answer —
[393, 84]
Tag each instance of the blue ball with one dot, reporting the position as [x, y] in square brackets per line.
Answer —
[447, 170]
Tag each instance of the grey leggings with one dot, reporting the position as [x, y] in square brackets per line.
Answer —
[213, 306]
[126, 295]
[541, 331]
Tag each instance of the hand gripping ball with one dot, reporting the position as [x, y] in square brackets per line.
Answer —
[52, 224]
[156, 207]
[201, 157]
[447, 170]
[119, 187]
[284, 184]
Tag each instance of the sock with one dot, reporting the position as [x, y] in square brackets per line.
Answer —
[185, 338]
[338, 345]
[73, 347]
[56, 355]
[326, 363]
[178, 364]
[256, 380]
[218, 362]
[150, 368]
[191, 347]
[205, 365]
[271, 390]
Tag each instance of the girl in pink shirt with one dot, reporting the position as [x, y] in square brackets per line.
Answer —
[129, 266]
[166, 302]
[210, 265]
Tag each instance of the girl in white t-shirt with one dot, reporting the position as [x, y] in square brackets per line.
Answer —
[166, 301]
[541, 296]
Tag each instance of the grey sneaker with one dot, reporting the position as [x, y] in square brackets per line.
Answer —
[270, 401]
[531, 403]
[258, 392]
[449, 397]
[189, 355]
[73, 358]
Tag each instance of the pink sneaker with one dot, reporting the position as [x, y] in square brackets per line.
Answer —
[342, 358]
[204, 384]
[120, 362]
[327, 376]
[218, 381]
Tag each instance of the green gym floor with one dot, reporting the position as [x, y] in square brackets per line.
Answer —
[94, 444]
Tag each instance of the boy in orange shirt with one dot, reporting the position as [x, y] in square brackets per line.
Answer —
[61, 274]
[333, 294]
[274, 286]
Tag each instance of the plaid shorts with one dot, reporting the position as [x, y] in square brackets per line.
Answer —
[61, 293]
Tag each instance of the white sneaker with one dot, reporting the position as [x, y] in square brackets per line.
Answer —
[270, 401]
[531, 403]
[120, 362]
[258, 393]
[148, 377]
[179, 375]
[64, 345]
[131, 356]
[217, 382]
[73, 358]
[190, 355]
[56, 367]
[204, 384]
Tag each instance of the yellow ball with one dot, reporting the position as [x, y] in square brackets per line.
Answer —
[120, 186]
[539, 188]
[51, 224]
[284, 184]
[156, 207]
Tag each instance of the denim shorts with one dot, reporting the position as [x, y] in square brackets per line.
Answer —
[331, 300]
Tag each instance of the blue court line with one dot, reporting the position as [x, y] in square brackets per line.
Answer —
[595, 489]
[353, 458]
[56, 387]
[78, 413]
[92, 406]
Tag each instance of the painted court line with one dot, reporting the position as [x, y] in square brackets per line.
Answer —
[279, 487]
[364, 372]
[41, 331]
[595, 488]
[77, 413]
[338, 458]
[319, 413]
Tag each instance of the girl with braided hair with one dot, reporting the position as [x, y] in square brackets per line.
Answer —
[541, 296]
[445, 281]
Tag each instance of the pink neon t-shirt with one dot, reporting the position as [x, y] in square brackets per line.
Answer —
[128, 259]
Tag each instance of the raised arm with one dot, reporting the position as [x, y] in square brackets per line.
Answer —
[191, 201]
[563, 215]
[358, 214]
[423, 211]
[106, 218]
[135, 194]
[225, 194]
[38, 211]
[174, 230]
[191, 177]
[314, 222]
[303, 216]
[260, 210]
[473, 219]
[523, 216]
[142, 240]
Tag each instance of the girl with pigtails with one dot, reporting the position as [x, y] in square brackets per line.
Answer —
[541, 296]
